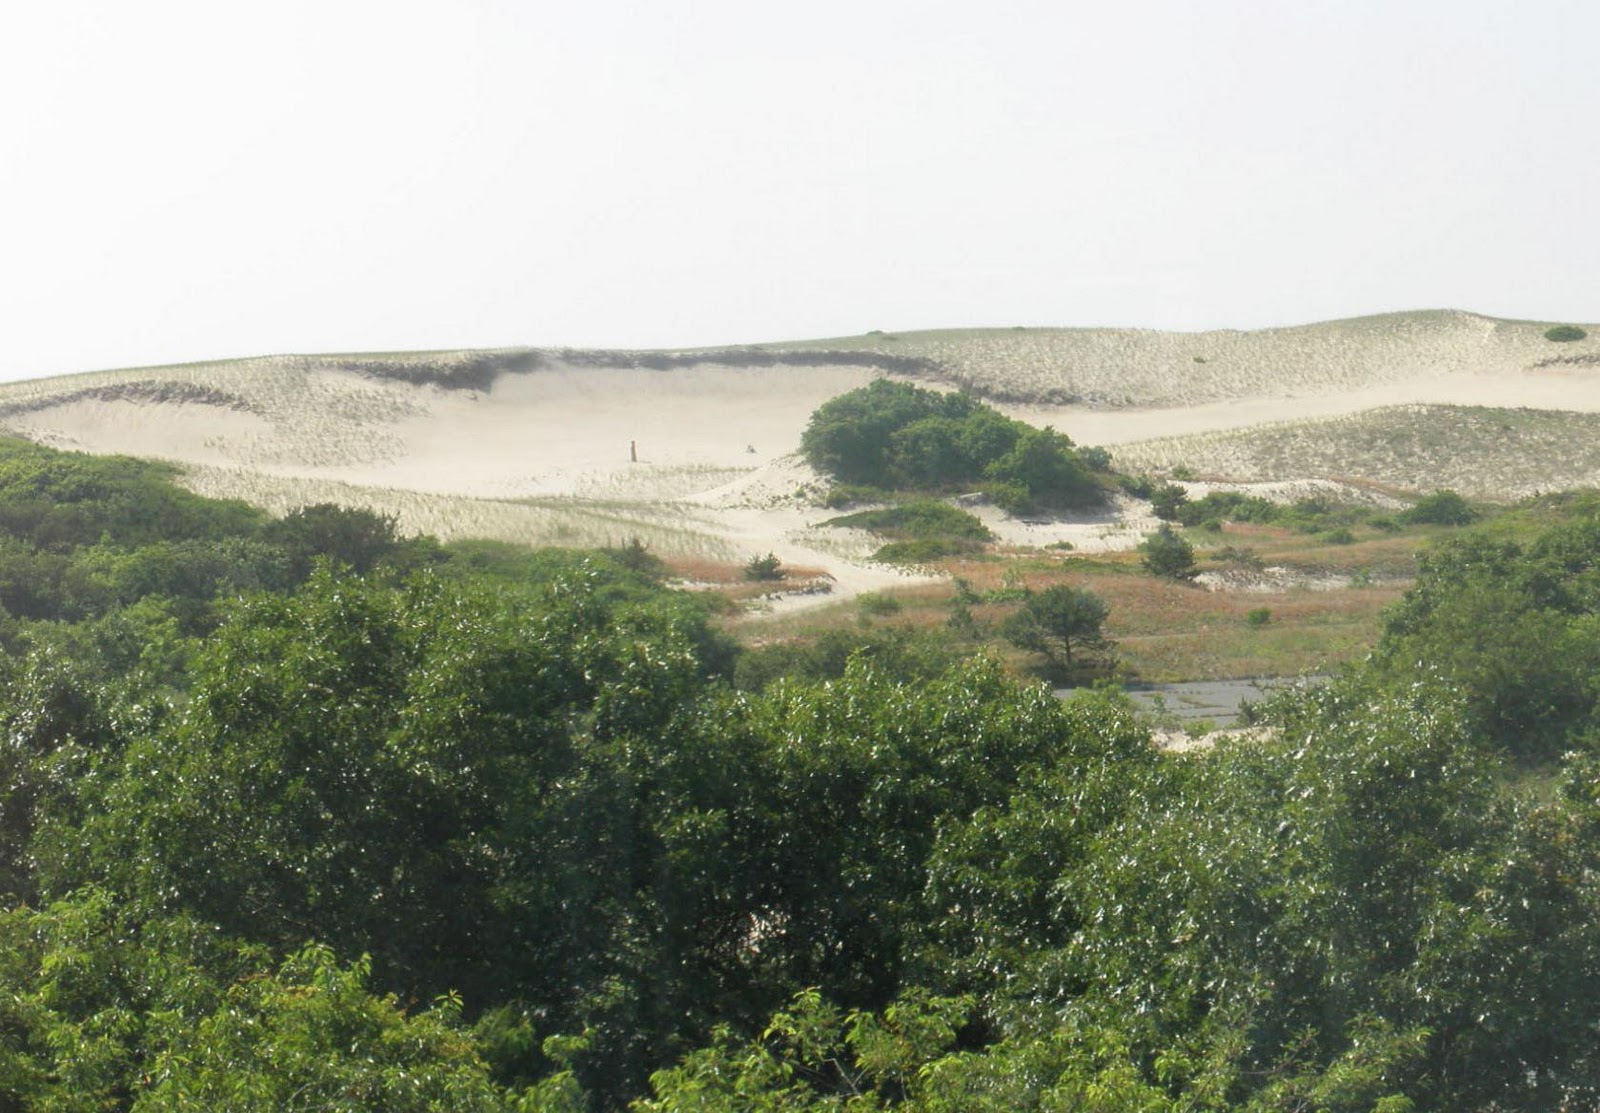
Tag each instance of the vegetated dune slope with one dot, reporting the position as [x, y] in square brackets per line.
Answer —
[693, 451]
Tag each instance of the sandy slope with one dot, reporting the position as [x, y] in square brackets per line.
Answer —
[536, 446]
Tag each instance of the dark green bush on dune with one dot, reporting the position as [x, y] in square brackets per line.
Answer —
[898, 437]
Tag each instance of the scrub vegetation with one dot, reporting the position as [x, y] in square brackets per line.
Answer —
[891, 436]
[300, 813]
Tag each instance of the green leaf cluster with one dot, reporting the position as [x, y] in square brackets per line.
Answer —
[900, 437]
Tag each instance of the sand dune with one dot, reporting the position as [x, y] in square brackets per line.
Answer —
[694, 451]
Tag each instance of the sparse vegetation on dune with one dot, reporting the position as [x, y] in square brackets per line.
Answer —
[1482, 452]
[665, 528]
[1145, 367]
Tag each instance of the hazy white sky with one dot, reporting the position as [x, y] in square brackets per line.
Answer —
[188, 179]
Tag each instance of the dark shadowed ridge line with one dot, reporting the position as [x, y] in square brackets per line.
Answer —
[474, 371]
[152, 391]
[1585, 359]
[750, 357]
[480, 371]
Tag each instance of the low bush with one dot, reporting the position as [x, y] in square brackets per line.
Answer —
[1168, 555]
[923, 550]
[1442, 508]
[924, 520]
[764, 568]
[1564, 334]
[877, 604]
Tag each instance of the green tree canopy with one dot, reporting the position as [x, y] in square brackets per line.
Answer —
[1060, 621]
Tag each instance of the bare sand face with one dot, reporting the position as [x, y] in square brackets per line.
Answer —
[701, 459]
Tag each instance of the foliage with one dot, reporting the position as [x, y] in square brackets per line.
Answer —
[764, 569]
[919, 520]
[635, 556]
[1166, 554]
[896, 436]
[1442, 508]
[104, 1012]
[1059, 621]
[1313, 514]
[901, 653]
[357, 538]
[56, 501]
[923, 530]
[1564, 334]
[1511, 626]
[877, 604]
[482, 828]
[1167, 502]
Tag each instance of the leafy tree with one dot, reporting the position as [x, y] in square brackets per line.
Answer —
[1059, 621]
[1166, 554]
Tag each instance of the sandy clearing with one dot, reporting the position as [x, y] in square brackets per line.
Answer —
[188, 432]
[569, 430]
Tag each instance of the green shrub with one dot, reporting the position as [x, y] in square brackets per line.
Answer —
[1139, 486]
[1240, 557]
[764, 568]
[1095, 458]
[635, 556]
[1258, 617]
[922, 519]
[1167, 500]
[1013, 498]
[1442, 508]
[841, 495]
[1564, 334]
[902, 437]
[877, 604]
[921, 551]
[1227, 506]
[1168, 555]
[1340, 536]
